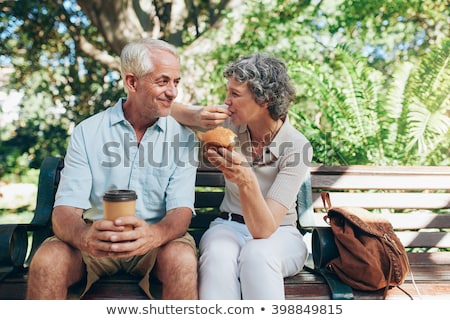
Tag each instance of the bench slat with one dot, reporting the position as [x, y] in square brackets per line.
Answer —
[430, 258]
[209, 179]
[386, 200]
[380, 170]
[418, 220]
[387, 182]
[414, 239]
[407, 221]
[208, 199]
[203, 219]
[311, 287]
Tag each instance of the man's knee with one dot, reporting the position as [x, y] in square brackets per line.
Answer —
[176, 268]
[54, 267]
[46, 255]
[176, 260]
[177, 253]
[56, 258]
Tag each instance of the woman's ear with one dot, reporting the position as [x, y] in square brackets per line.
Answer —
[265, 105]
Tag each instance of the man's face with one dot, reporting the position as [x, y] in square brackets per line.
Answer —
[158, 89]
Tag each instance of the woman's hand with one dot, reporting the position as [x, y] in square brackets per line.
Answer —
[262, 216]
[233, 165]
[212, 116]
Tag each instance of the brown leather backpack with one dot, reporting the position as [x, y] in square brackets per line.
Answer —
[370, 255]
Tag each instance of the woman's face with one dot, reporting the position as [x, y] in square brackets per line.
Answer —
[240, 102]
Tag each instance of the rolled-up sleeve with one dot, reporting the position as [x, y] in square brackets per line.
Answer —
[181, 188]
[76, 179]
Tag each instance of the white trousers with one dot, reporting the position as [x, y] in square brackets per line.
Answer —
[235, 266]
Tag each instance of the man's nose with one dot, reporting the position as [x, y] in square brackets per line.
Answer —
[172, 89]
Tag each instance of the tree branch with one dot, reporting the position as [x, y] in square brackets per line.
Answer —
[100, 55]
[88, 48]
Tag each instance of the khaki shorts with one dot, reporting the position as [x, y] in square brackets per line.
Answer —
[140, 266]
[137, 265]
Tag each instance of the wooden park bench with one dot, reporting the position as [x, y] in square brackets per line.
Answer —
[415, 199]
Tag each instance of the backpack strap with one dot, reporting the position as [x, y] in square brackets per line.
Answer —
[326, 200]
[324, 249]
[339, 290]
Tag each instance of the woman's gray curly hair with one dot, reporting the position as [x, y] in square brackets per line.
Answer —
[267, 79]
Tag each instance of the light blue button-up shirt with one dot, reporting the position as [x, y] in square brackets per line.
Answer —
[103, 154]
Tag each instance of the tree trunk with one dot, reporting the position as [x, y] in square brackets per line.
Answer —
[121, 21]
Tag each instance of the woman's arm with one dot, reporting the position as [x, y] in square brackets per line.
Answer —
[262, 216]
[198, 116]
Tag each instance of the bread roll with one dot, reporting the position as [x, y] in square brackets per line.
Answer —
[219, 137]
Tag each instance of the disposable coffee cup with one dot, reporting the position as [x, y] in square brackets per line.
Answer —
[119, 203]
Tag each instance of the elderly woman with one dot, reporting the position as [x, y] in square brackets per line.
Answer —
[246, 253]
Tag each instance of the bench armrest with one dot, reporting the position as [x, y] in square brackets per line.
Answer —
[41, 224]
[14, 237]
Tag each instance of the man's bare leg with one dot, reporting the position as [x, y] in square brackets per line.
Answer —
[176, 268]
[54, 268]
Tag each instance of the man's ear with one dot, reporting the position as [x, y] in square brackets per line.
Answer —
[130, 82]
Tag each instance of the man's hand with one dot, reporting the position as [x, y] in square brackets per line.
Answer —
[109, 238]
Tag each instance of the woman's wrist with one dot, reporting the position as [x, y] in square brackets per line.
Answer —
[186, 114]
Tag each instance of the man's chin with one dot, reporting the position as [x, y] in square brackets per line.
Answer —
[165, 112]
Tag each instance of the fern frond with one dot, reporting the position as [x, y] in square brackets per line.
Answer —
[431, 80]
[426, 129]
[396, 90]
[393, 123]
[428, 104]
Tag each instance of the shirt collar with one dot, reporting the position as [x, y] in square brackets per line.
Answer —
[281, 137]
[117, 116]
[275, 147]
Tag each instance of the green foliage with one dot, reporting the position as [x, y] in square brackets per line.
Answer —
[367, 119]
[347, 101]
[351, 104]
[428, 107]
[61, 86]
[397, 30]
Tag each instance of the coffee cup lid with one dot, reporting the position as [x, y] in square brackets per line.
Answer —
[120, 195]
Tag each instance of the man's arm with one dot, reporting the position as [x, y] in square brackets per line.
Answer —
[145, 237]
[96, 239]
[68, 225]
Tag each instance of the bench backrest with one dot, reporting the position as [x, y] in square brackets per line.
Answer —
[415, 199]
[421, 192]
